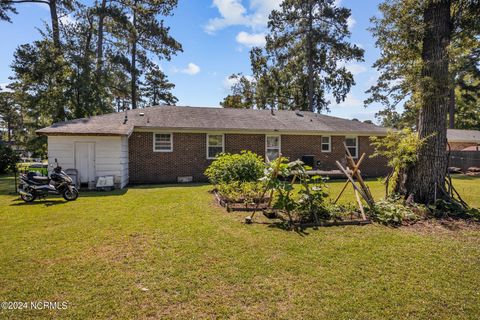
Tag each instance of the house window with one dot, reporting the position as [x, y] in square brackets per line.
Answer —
[352, 146]
[272, 147]
[326, 144]
[162, 142]
[215, 145]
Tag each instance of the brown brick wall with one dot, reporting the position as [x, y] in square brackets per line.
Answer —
[235, 143]
[188, 157]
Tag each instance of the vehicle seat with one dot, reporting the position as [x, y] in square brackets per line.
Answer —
[36, 177]
[40, 178]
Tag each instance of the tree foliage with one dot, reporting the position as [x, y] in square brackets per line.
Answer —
[156, 88]
[399, 34]
[400, 148]
[8, 158]
[92, 63]
[304, 60]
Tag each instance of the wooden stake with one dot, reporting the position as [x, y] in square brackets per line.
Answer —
[360, 205]
[355, 168]
[364, 196]
[357, 174]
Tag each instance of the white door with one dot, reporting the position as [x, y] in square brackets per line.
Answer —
[85, 161]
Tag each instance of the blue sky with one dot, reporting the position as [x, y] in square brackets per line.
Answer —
[216, 36]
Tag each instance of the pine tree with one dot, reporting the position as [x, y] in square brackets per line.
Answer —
[156, 88]
[304, 59]
[145, 35]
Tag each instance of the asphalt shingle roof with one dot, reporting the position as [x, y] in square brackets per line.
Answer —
[211, 119]
[457, 135]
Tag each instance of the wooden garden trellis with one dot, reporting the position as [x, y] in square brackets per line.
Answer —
[361, 189]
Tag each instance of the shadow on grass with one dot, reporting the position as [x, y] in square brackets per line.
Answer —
[95, 194]
[301, 229]
[464, 177]
[41, 202]
[285, 226]
[169, 185]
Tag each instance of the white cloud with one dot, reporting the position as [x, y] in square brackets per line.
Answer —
[350, 102]
[251, 39]
[232, 13]
[351, 23]
[67, 19]
[3, 87]
[229, 82]
[356, 68]
[191, 69]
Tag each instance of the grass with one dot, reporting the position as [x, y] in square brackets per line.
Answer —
[170, 252]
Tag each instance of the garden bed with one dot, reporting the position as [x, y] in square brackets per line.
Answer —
[240, 205]
[348, 219]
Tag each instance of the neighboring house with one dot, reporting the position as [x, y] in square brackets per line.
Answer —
[161, 144]
[468, 140]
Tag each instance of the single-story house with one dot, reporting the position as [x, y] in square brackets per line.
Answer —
[467, 140]
[164, 143]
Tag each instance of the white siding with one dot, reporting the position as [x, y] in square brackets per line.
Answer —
[111, 154]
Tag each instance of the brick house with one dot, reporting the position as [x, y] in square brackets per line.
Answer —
[161, 144]
[468, 140]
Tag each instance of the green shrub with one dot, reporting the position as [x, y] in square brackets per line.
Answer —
[244, 167]
[400, 148]
[339, 211]
[453, 209]
[246, 192]
[393, 211]
[8, 159]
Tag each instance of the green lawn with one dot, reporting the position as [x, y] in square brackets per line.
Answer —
[169, 251]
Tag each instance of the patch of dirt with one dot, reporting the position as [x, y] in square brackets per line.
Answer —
[444, 226]
[131, 247]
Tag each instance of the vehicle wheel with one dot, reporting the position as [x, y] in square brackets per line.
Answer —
[29, 198]
[70, 195]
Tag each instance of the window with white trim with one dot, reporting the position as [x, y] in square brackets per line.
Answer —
[326, 144]
[272, 147]
[215, 145]
[162, 142]
[352, 146]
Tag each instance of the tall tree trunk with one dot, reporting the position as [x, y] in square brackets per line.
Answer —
[60, 114]
[134, 59]
[451, 109]
[9, 131]
[426, 179]
[101, 19]
[155, 93]
[310, 57]
[55, 26]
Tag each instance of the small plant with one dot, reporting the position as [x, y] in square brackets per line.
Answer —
[230, 191]
[453, 209]
[393, 211]
[339, 212]
[244, 167]
[248, 193]
[308, 203]
[251, 192]
[312, 195]
[401, 150]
